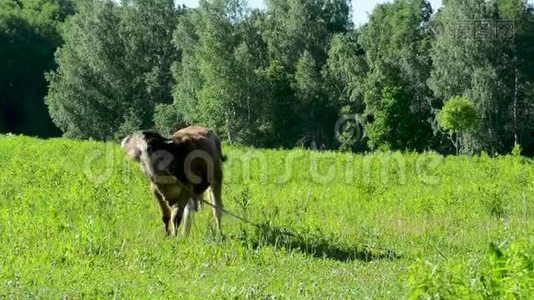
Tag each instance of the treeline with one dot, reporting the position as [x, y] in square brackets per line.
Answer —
[295, 74]
[29, 36]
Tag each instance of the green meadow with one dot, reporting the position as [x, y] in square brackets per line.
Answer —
[77, 221]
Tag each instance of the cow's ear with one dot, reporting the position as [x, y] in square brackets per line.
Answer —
[132, 147]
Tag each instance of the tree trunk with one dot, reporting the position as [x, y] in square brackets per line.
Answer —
[227, 121]
[516, 92]
[458, 144]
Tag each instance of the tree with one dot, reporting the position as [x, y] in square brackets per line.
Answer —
[516, 29]
[208, 76]
[234, 75]
[393, 125]
[218, 78]
[458, 117]
[468, 62]
[297, 35]
[186, 74]
[314, 111]
[344, 76]
[29, 36]
[484, 50]
[396, 43]
[283, 125]
[113, 68]
[297, 25]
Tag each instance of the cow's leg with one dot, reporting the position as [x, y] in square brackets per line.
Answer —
[178, 217]
[166, 213]
[215, 199]
[189, 209]
[198, 204]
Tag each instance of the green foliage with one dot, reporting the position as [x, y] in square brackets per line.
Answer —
[167, 118]
[315, 115]
[393, 126]
[283, 126]
[230, 98]
[458, 115]
[217, 80]
[237, 76]
[297, 35]
[295, 74]
[487, 67]
[307, 79]
[113, 68]
[78, 220]
[516, 151]
[344, 77]
[507, 272]
[396, 46]
[29, 36]
[297, 25]
[345, 71]
[458, 118]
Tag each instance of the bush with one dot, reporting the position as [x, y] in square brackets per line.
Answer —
[458, 115]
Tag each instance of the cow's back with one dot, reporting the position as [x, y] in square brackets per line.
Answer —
[199, 138]
[204, 142]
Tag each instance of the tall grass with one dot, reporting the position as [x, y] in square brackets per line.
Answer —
[77, 220]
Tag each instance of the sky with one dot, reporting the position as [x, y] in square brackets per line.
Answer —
[361, 8]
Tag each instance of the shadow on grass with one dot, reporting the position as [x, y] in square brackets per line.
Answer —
[311, 242]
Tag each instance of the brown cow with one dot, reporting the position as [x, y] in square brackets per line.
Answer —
[180, 169]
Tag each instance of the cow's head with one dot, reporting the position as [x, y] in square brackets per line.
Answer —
[153, 151]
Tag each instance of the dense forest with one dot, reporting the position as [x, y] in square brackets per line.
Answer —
[298, 73]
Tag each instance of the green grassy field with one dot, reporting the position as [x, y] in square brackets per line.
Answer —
[77, 220]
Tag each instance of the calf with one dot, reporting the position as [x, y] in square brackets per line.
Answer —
[180, 169]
